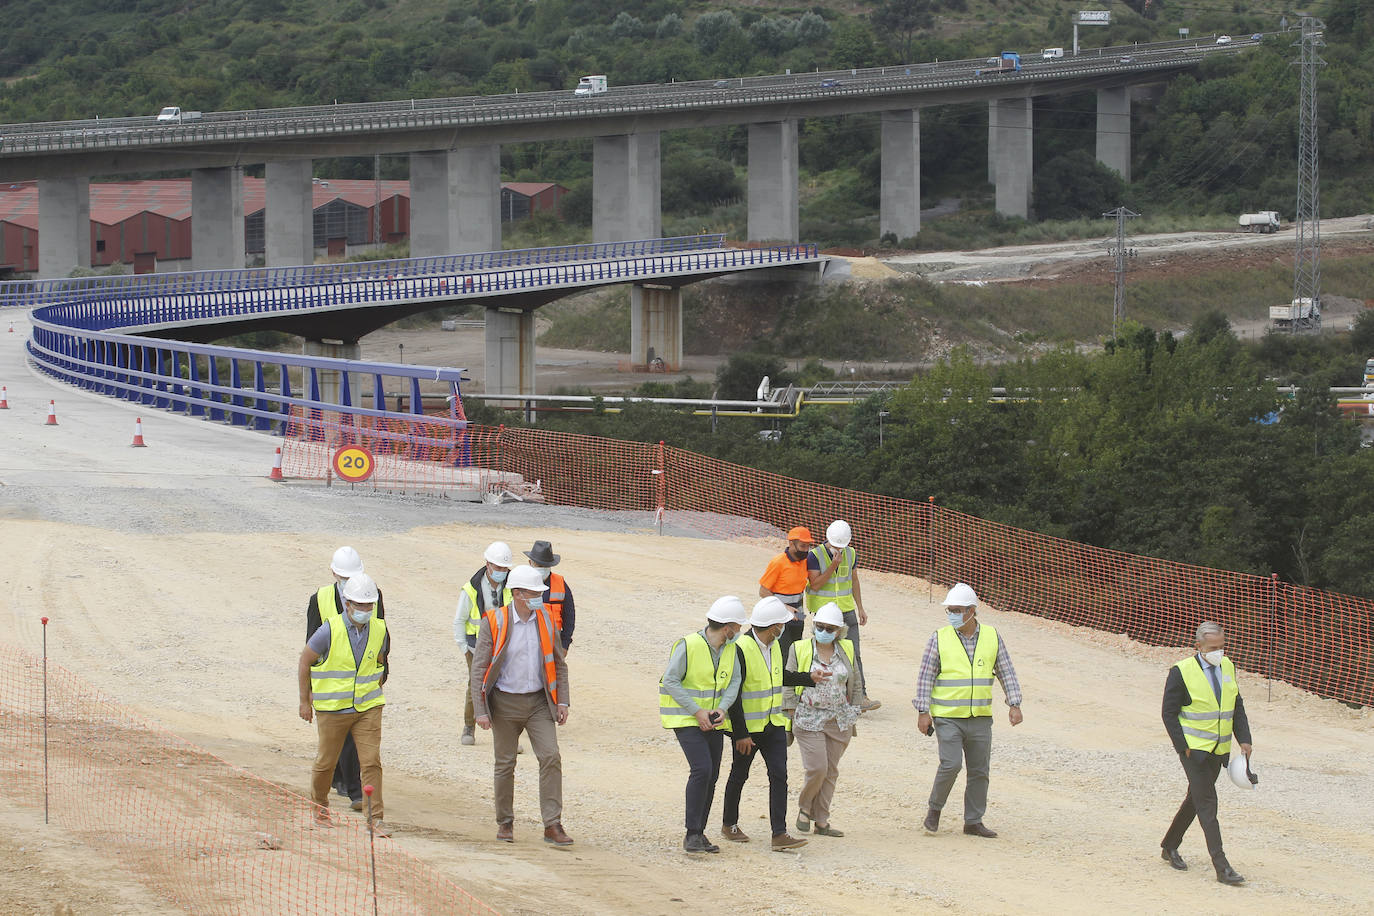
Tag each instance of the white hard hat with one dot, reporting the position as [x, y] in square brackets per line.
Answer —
[498, 553]
[769, 611]
[839, 534]
[346, 562]
[728, 610]
[1239, 771]
[526, 577]
[961, 596]
[360, 588]
[831, 615]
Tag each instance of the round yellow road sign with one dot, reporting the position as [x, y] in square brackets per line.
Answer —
[354, 463]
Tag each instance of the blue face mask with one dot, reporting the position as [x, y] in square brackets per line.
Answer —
[360, 617]
[535, 603]
[825, 638]
[498, 575]
[956, 618]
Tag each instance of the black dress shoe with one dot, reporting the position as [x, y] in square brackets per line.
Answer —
[694, 842]
[1173, 858]
[1227, 875]
[932, 821]
[979, 830]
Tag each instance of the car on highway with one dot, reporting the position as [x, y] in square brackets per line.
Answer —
[830, 83]
[1257, 37]
[1127, 59]
[1223, 39]
[722, 84]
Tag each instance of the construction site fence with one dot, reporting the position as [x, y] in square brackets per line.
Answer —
[1313, 639]
[204, 834]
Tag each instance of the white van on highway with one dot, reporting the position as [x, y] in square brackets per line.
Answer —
[1052, 53]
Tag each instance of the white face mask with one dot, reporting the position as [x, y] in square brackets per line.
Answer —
[957, 618]
[1214, 657]
[544, 573]
[360, 617]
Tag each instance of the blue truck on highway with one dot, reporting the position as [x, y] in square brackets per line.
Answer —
[1009, 62]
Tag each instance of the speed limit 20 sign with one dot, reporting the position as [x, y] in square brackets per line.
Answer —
[354, 463]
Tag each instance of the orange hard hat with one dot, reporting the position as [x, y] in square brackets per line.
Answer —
[800, 533]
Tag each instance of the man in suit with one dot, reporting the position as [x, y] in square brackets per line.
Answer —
[520, 684]
[1202, 713]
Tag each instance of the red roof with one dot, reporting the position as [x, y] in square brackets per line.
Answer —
[528, 188]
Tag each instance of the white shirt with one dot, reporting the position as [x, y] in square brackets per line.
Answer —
[522, 659]
[490, 599]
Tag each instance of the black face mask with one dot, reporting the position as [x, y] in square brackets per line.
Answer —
[795, 554]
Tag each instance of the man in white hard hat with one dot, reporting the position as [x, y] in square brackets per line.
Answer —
[757, 722]
[1202, 713]
[340, 676]
[832, 576]
[520, 684]
[954, 698]
[700, 683]
[485, 589]
[327, 601]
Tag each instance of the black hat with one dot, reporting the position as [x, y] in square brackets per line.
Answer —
[542, 553]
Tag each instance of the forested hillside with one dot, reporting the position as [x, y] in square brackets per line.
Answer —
[1217, 142]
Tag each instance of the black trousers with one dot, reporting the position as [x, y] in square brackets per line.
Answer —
[703, 751]
[348, 778]
[1200, 802]
[772, 743]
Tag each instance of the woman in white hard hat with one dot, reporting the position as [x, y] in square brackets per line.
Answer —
[823, 715]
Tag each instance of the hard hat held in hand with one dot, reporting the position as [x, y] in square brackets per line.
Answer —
[361, 589]
[346, 562]
[839, 534]
[1239, 771]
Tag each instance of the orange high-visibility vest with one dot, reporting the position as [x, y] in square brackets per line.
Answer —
[555, 596]
[499, 621]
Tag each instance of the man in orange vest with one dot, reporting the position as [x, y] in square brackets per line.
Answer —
[519, 684]
[558, 598]
[785, 579]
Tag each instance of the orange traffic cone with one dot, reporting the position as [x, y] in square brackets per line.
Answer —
[11, 327]
[276, 468]
[138, 434]
[52, 414]
[4, 398]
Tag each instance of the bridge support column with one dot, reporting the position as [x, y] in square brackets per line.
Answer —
[992, 142]
[656, 324]
[900, 209]
[329, 379]
[773, 181]
[626, 187]
[1012, 155]
[64, 226]
[478, 183]
[1114, 129]
[290, 218]
[217, 219]
[510, 351]
[455, 201]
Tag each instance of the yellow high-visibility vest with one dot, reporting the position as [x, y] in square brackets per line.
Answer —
[761, 689]
[475, 602]
[839, 588]
[805, 647]
[1206, 721]
[704, 681]
[963, 688]
[324, 598]
[336, 682]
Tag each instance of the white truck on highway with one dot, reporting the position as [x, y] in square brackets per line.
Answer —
[1263, 221]
[173, 115]
[591, 85]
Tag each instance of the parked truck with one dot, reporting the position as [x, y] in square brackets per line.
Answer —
[1300, 313]
[1009, 62]
[174, 115]
[1263, 221]
[591, 85]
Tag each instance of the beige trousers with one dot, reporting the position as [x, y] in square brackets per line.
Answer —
[511, 714]
[820, 754]
[333, 727]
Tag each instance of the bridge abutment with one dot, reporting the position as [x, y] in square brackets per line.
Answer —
[773, 214]
[626, 187]
[900, 187]
[330, 380]
[64, 226]
[1114, 129]
[510, 351]
[1011, 134]
[289, 222]
[656, 324]
[217, 219]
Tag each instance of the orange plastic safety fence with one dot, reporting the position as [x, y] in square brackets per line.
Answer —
[208, 836]
[1319, 641]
